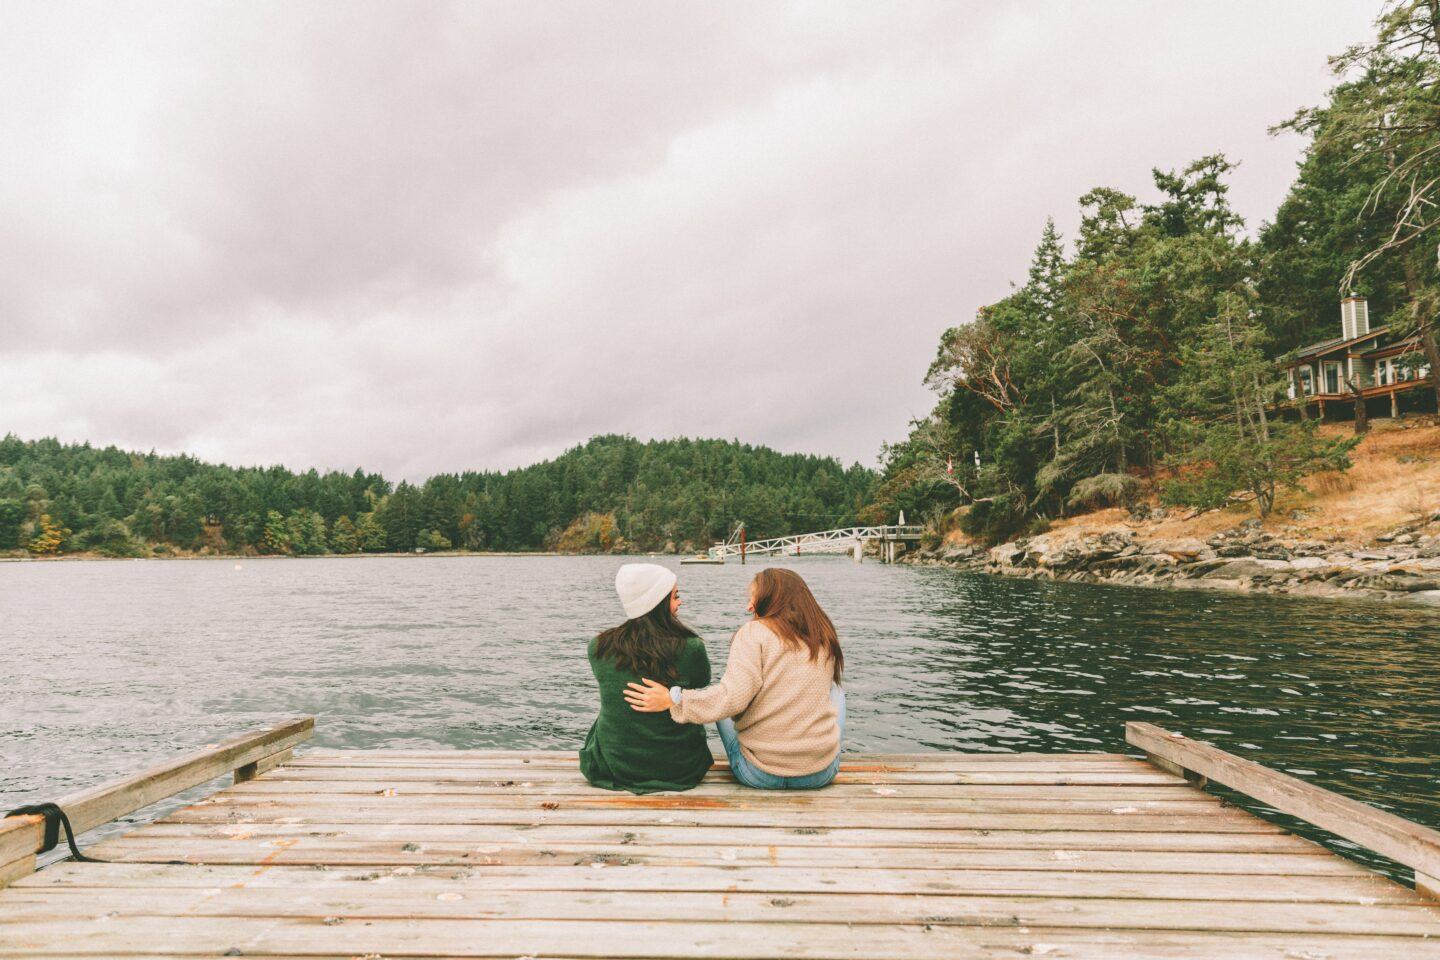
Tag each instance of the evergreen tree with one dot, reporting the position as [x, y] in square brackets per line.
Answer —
[343, 536]
[1226, 438]
[371, 533]
[276, 538]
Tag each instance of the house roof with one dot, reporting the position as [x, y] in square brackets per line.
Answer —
[1327, 346]
[1405, 345]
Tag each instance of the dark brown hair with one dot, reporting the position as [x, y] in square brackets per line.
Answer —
[785, 603]
[648, 646]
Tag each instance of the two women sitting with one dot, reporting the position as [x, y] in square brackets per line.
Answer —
[779, 709]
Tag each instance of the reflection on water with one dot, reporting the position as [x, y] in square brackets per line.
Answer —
[107, 665]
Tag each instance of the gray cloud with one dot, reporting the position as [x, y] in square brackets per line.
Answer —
[426, 237]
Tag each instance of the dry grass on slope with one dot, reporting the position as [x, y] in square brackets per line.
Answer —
[1395, 480]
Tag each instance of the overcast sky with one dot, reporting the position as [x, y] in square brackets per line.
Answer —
[431, 237]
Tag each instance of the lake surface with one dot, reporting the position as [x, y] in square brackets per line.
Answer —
[107, 666]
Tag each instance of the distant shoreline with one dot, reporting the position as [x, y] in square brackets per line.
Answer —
[69, 557]
[241, 557]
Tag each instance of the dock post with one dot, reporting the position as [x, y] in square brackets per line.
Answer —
[859, 550]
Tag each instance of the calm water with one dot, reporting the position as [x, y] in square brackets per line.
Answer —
[106, 666]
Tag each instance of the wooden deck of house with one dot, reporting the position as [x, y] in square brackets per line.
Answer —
[403, 853]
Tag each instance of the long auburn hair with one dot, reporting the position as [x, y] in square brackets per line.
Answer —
[648, 645]
[784, 601]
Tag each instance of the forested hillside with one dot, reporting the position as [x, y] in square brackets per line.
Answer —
[612, 493]
[1147, 347]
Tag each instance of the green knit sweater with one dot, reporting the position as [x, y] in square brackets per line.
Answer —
[645, 752]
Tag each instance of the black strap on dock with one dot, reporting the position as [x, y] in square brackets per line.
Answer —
[55, 818]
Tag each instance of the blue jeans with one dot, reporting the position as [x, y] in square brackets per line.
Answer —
[752, 776]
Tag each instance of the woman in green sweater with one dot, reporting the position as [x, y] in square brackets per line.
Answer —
[645, 752]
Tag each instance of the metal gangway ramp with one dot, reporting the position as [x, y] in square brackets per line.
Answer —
[839, 540]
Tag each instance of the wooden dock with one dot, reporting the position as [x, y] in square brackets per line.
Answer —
[403, 853]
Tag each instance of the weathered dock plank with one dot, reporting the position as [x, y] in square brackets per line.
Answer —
[385, 810]
[546, 834]
[729, 940]
[312, 851]
[505, 854]
[433, 880]
[377, 901]
[1130, 776]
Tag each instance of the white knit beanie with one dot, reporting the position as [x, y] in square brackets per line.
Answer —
[642, 586]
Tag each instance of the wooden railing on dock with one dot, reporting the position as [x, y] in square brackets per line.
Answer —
[1406, 843]
[247, 755]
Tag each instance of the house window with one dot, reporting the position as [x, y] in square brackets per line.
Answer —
[1307, 380]
[1330, 370]
[1384, 373]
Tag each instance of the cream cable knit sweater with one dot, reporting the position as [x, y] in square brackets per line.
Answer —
[779, 699]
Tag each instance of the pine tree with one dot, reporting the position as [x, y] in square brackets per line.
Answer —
[276, 538]
[371, 533]
[1226, 438]
[343, 536]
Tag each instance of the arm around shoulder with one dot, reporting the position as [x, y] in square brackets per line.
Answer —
[742, 680]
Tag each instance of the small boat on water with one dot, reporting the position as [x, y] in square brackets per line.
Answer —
[704, 558]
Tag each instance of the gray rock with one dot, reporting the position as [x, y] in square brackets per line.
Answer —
[1427, 596]
[1109, 543]
[1201, 567]
[1035, 552]
[1272, 551]
[1239, 570]
[1007, 554]
[1183, 549]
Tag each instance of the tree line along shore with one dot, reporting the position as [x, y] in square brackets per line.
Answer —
[611, 494]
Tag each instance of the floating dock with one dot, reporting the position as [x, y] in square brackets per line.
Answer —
[405, 853]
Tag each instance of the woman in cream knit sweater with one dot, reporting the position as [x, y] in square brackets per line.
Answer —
[779, 709]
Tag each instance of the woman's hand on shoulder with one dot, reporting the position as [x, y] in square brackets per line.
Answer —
[651, 697]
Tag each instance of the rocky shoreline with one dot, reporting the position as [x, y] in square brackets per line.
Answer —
[1403, 564]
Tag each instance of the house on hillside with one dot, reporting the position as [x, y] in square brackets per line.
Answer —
[1386, 372]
